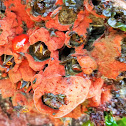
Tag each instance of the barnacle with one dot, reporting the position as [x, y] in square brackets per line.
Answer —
[75, 39]
[25, 86]
[39, 51]
[53, 101]
[67, 16]
[7, 61]
[42, 7]
[72, 67]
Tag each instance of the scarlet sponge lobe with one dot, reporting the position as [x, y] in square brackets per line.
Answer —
[19, 42]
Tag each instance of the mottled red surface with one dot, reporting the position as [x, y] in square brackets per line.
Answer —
[50, 75]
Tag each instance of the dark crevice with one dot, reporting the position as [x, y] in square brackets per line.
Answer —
[46, 65]
[96, 2]
[64, 52]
